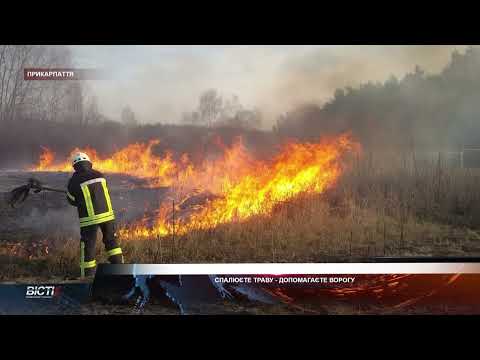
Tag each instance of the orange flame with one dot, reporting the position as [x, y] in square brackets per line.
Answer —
[135, 160]
[243, 186]
[298, 168]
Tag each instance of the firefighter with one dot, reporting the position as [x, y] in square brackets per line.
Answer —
[88, 191]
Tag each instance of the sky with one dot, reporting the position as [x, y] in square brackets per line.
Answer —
[159, 83]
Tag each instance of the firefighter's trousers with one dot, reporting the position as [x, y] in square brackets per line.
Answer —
[88, 242]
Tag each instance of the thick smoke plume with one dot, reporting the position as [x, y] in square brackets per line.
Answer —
[272, 79]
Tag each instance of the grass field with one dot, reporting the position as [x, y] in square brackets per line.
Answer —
[392, 206]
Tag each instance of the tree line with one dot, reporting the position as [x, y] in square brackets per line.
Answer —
[215, 110]
[58, 101]
[420, 110]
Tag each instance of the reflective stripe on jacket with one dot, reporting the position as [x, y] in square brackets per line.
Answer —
[88, 191]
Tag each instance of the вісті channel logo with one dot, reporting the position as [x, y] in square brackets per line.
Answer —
[42, 291]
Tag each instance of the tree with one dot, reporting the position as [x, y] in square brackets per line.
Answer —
[92, 114]
[231, 107]
[128, 116]
[191, 118]
[210, 107]
[421, 110]
[74, 103]
[13, 90]
[39, 99]
[51, 97]
[249, 119]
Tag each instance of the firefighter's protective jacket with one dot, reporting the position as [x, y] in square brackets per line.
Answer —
[88, 191]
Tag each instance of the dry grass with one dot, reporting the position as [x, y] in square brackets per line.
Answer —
[393, 205]
[390, 206]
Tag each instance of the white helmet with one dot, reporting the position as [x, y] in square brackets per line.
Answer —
[80, 157]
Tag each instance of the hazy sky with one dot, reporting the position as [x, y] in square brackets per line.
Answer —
[161, 82]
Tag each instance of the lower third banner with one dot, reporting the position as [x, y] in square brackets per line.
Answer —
[329, 288]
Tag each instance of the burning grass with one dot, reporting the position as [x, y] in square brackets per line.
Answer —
[390, 205]
[243, 186]
[334, 226]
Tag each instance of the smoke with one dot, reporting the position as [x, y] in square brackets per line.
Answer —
[314, 76]
[162, 82]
